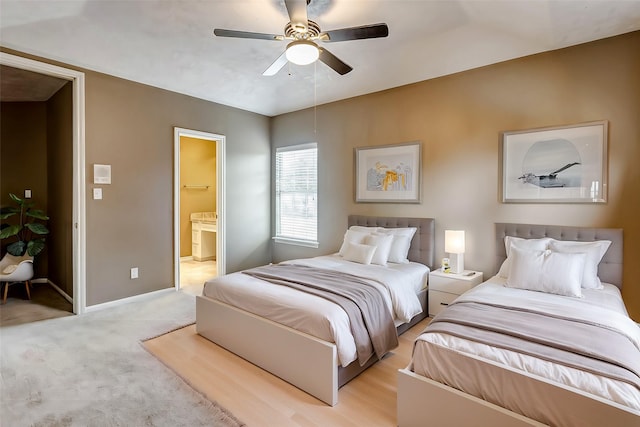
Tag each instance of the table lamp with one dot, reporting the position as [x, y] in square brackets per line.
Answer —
[454, 245]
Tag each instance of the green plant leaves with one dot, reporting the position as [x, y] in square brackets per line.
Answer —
[17, 248]
[9, 231]
[37, 228]
[16, 199]
[34, 247]
[37, 213]
[23, 232]
[8, 211]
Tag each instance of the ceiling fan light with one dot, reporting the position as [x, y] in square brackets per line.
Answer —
[302, 52]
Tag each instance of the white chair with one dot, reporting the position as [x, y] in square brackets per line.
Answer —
[15, 269]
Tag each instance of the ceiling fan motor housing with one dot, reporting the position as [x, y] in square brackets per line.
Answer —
[301, 32]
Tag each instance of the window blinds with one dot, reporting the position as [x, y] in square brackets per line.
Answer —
[297, 192]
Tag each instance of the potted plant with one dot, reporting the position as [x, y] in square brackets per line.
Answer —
[29, 234]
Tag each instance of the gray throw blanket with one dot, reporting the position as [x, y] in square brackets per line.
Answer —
[369, 316]
[570, 342]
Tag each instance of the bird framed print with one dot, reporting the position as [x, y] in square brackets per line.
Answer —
[564, 164]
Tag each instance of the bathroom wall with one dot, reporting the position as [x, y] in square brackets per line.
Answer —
[197, 168]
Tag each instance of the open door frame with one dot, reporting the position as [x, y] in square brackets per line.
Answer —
[220, 197]
[79, 237]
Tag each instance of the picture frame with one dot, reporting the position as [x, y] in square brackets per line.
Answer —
[388, 173]
[562, 164]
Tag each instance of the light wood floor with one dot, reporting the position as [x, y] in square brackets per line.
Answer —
[260, 399]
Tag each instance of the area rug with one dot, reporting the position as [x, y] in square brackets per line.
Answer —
[92, 370]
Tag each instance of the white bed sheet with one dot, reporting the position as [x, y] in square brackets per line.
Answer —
[317, 316]
[442, 357]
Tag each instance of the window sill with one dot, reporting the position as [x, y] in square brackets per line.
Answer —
[296, 242]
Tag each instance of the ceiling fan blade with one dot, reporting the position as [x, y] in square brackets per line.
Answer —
[246, 35]
[297, 10]
[277, 65]
[355, 33]
[332, 61]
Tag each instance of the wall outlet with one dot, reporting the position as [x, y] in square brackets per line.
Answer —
[27, 194]
[134, 273]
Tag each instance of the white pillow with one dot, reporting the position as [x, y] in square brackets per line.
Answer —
[363, 229]
[401, 243]
[546, 271]
[524, 244]
[358, 252]
[594, 252]
[352, 236]
[382, 242]
[10, 269]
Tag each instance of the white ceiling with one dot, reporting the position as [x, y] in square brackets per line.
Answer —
[170, 43]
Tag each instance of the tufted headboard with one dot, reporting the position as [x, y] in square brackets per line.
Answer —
[422, 248]
[610, 268]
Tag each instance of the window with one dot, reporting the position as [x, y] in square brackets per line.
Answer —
[297, 194]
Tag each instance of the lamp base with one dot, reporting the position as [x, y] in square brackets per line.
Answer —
[457, 263]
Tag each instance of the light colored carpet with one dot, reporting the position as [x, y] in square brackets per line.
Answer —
[92, 370]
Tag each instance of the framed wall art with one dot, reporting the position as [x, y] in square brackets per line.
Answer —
[566, 164]
[389, 173]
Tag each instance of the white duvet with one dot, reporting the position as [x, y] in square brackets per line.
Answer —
[315, 315]
[435, 353]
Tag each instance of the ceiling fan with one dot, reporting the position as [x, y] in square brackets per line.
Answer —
[304, 35]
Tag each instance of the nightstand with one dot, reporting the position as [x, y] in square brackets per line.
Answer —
[445, 287]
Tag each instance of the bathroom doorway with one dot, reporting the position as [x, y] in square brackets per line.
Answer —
[199, 208]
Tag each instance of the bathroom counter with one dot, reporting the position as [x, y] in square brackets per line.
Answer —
[203, 245]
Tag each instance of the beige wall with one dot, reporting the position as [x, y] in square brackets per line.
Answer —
[458, 118]
[130, 127]
[197, 168]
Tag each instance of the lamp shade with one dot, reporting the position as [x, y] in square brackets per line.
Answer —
[302, 52]
[454, 241]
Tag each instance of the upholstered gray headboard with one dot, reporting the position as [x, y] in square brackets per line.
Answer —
[422, 248]
[610, 268]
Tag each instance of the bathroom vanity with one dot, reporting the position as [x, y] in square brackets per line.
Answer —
[203, 235]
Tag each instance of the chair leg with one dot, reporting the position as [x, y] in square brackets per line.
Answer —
[27, 284]
[6, 289]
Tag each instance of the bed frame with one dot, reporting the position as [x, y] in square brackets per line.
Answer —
[309, 363]
[421, 399]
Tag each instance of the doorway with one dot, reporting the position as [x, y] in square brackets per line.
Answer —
[199, 249]
[77, 229]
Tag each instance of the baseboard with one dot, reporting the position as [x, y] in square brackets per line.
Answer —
[60, 291]
[54, 286]
[127, 300]
[186, 258]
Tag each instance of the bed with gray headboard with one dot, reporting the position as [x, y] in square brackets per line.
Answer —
[483, 383]
[610, 267]
[312, 364]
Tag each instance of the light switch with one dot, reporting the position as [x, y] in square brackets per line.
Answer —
[27, 194]
[97, 194]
